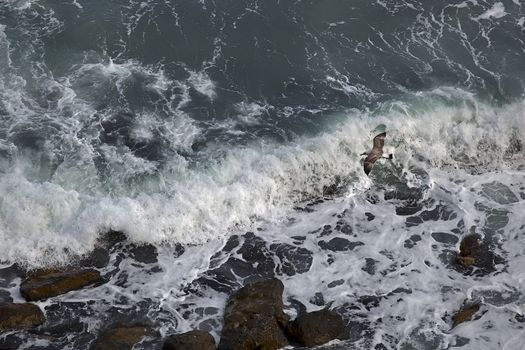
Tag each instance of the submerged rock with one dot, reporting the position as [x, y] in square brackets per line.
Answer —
[315, 328]
[120, 338]
[20, 315]
[466, 313]
[254, 318]
[193, 340]
[50, 283]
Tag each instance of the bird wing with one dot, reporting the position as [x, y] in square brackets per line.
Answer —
[370, 160]
[379, 142]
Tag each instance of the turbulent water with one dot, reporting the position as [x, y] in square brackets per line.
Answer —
[187, 124]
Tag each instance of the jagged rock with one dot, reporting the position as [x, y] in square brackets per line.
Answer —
[315, 328]
[473, 252]
[120, 338]
[193, 340]
[466, 313]
[20, 315]
[254, 318]
[50, 283]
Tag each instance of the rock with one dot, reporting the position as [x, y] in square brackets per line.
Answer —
[254, 318]
[50, 283]
[466, 313]
[120, 338]
[20, 315]
[193, 340]
[316, 328]
[473, 252]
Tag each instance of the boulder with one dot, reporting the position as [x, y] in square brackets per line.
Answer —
[474, 253]
[193, 340]
[466, 313]
[49, 283]
[254, 318]
[120, 338]
[20, 315]
[315, 328]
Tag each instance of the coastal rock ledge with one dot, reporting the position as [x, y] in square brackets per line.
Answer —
[20, 315]
[49, 283]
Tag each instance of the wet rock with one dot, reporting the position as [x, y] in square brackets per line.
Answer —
[20, 315]
[120, 338]
[339, 244]
[253, 318]
[50, 283]
[474, 253]
[315, 328]
[466, 313]
[193, 340]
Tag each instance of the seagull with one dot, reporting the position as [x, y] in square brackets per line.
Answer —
[375, 153]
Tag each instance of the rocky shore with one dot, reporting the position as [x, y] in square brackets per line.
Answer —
[254, 316]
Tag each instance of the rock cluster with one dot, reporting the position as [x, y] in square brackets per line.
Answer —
[254, 319]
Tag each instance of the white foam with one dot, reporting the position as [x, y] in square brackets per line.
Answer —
[496, 11]
[191, 204]
[203, 84]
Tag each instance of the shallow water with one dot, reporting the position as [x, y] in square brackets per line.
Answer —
[228, 137]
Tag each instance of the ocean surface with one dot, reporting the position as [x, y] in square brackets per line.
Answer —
[224, 138]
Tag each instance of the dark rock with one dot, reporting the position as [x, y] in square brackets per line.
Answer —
[253, 318]
[23, 315]
[120, 338]
[193, 340]
[476, 253]
[339, 244]
[370, 216]
[466, 313]
[50, 283]
[315, 328]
